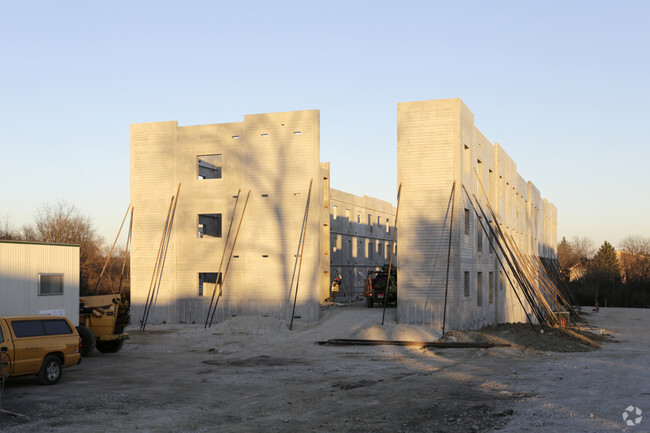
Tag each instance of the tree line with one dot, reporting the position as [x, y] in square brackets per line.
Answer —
[607, 276]
[63, 223]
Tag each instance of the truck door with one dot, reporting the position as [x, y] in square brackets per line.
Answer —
[6, 353]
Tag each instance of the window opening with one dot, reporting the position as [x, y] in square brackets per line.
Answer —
[491, 287]
[207, 282]
[50, 284]
[466, 285]
[467, 221]
[479, 289]
[209, 166]
[209, 225]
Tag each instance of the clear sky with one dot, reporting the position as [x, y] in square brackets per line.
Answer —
[563, 86]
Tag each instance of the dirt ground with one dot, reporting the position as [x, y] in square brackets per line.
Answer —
[253, 374]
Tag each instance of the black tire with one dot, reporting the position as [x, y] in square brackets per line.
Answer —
[369, 302]
[51, 370]
[87, 341]
[112, 346]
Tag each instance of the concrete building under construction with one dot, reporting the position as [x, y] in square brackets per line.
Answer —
[446, 165]
[276, 157]
[451, 179]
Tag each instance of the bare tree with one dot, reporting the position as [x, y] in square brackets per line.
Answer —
[635, 245]
[7, 231]
[583, 247]
[635, 258]
[62, 223]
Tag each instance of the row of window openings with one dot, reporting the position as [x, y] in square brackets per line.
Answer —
[380, 249]
[348, 214]
[479, 286]
[479, 232]
[511, 194]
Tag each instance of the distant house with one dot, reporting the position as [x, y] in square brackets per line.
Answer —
[577, 271]
[37, 278]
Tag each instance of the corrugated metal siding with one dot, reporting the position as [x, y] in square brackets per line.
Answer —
[20, 266]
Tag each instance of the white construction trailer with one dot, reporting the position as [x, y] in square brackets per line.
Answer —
[38, 278]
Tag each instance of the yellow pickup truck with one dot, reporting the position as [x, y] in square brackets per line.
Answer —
[40, 345]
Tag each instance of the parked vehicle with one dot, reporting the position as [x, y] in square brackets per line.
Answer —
[102, 319]
[375, 286]
[40, 345]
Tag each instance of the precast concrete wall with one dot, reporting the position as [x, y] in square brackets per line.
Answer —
[275, 156]
[445, 164]
[361, 236]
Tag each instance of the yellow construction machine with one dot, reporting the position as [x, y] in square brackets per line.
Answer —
[102, 319]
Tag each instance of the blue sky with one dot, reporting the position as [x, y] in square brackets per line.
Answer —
[562, 86]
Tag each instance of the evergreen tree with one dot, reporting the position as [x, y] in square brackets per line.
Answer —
[606, 262]
[565, 257]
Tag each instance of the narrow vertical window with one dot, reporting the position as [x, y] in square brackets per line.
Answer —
[466, 285]
[479, 289]
[467, 221]
[491, 287]
[370, 222]
[491, 239]
[466, 149]
[479, 235]
[334, 211]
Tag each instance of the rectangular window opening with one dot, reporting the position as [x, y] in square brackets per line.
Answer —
[466, 285]
[479, 235]
[491, 287]
[209, 166]
[297, 132]
[265, 135]
[207, 282]
[50, 284]
[479, 289]
[235, 137]
[209, 225]
[467, 221]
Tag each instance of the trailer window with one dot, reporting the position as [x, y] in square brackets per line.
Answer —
[50, 284]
